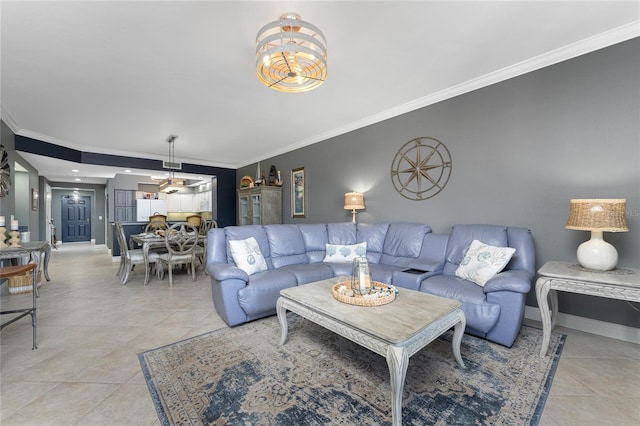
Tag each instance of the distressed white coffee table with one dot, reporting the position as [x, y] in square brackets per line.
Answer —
[396, 330]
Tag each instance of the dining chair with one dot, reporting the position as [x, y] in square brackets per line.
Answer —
[201, 248]
[130, 257]
[157, 221]
[156, 226]
[194, 220]
[181, 240]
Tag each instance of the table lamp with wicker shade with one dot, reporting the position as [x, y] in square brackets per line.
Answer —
[598, 216]
[354, 201]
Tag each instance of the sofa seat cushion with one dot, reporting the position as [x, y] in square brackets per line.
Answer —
[308, 273]
[262, 292]
[383, 273]
[340, 268]
[480, 314]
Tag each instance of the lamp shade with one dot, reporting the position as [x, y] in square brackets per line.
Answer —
[353, 201]
[605, 215]
[171, 185]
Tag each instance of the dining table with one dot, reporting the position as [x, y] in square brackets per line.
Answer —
[152, 240]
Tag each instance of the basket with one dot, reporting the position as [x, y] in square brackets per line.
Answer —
[22, 283]
[359, 300]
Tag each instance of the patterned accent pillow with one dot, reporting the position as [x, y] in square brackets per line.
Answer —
[344, 253]
[482, 262]
[247, 255]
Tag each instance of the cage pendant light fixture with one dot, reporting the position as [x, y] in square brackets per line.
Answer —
[291, 55]
[171, 184]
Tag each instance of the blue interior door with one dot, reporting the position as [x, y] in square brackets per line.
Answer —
[76, 219]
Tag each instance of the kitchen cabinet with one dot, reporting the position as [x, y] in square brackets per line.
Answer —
[146, 208]
[260, 205]
[124, 205]
[124, 214]
[124, 198]
[181, 202]
[203, 201]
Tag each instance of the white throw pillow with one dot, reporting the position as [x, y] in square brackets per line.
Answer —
[247, 255]
[482, 262]
[344, 253]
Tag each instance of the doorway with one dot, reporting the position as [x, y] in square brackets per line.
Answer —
[76, 219]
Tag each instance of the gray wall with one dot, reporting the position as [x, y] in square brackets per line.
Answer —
[98, 208]
[521, 150]
[119, 181]
[18, 202]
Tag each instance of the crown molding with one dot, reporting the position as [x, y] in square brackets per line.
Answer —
[130, 154]
[8, 119]
[582, 47]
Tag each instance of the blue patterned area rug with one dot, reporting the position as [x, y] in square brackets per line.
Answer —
[241, 376]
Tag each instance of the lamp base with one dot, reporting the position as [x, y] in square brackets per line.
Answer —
[597, 254]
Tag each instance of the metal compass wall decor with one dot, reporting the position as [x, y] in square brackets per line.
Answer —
[5, 172]
[421, 168]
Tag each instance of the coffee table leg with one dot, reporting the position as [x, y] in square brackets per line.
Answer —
[398, 361]
[282, 317]
[458, 331]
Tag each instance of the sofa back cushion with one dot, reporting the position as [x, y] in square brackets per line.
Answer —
[247, 255]
[244, 232]
[342, 233]
[461, 238]
[315, 239]
[374, 235]
[403, 243]
[286, 245]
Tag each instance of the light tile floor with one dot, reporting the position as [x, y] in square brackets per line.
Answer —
[91, 328]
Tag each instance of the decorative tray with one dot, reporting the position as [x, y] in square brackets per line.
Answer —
[381, 294]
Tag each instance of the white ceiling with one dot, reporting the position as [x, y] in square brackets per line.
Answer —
[118, 77]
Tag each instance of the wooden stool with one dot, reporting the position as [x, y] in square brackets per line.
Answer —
[12, 271]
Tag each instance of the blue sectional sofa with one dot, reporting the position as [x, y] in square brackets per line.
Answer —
[407, 255]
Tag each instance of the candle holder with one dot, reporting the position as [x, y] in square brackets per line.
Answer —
[14, 241]
[361, 282]
[3, 237]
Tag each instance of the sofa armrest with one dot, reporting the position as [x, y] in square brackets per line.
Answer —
[517, 280]
[224, 271]
[434, 267]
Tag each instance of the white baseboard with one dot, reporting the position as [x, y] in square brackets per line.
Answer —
[588, 325]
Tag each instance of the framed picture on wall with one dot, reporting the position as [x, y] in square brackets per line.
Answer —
[297, 192]
[34, 199]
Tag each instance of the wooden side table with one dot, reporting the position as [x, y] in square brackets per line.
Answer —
[620, 283]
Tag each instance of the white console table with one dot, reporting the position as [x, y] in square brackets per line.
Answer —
[619, 283]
